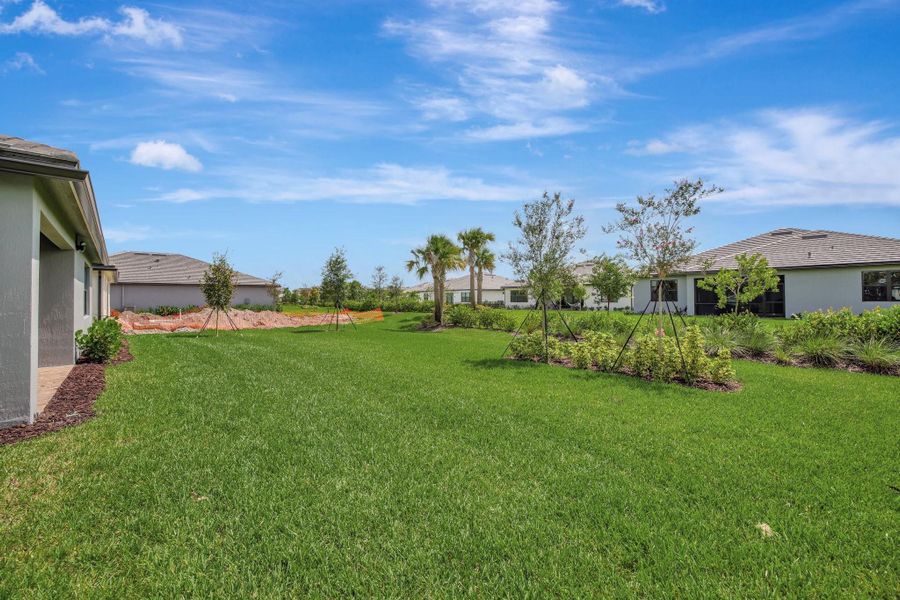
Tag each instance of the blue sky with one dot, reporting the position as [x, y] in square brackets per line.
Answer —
[282, 131]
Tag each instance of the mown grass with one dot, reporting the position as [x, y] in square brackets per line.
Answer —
[388, 462]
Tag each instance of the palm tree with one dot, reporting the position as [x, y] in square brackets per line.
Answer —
[485, 260]
[474, 241]
[437, 256]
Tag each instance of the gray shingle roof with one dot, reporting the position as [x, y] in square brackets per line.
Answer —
[461, 284]
[793, 248]
[15, 147]
[164, 268]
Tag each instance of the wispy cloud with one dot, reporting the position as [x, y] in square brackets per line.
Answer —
[165, 155]
[810, 156]
[21, 61]
[650, 6]
[135, 23]
[807, 27]
[508, 64]
[381, 184]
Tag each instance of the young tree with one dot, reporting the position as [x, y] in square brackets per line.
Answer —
[379, 281]
[653, 233]
[438, 256]
[356, 290]
[273, 286]
[217, 284]
[752, 278]
[485, 260]
[611, 279]
[314, 296]
[541, 256]
[395, 287]
[335, 277]
[474, 241]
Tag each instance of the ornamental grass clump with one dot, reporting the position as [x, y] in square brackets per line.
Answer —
[878, 355]
[822, 350]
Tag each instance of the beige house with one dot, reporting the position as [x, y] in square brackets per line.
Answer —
[53, 265]
[456, 290]
[152, 279]
[817, 269]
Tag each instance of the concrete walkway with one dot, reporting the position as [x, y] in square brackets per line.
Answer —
[49, 380]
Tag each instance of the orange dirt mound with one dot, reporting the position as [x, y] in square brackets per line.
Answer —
[243, 319]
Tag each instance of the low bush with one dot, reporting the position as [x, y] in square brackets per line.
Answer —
[822, 350]
[877, 355]
[531, 345]
[843, 324]
[462, 315]
[696, 363]
[603, 348]
[582, 355]
[258, 307]
[717, 336]
[655, 357]
[405, 304]
[720, 369]
[492, 318]
[102, 340]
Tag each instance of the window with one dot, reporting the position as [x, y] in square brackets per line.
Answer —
[881, 286]
[465, 297]
[770, 304]
[670, 290]
[518, 296]
[448, 297]
[87, 290]
[426, 296]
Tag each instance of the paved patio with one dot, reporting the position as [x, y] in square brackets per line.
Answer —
[49, 380]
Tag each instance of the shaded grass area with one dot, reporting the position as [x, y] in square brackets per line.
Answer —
[386, 461]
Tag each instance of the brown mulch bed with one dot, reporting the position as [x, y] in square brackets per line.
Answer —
[72, 403]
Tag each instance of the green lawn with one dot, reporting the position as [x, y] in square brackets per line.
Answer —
[388, 462]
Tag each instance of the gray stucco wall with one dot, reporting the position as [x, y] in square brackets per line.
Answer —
[19, 255]
[56, 345]
[685, 295]
[151, 296]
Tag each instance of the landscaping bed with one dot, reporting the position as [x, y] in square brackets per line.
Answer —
[73, 402]
[140, 323]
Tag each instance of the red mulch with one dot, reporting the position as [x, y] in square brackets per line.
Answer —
[72, 403]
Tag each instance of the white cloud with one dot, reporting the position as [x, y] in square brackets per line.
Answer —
[21, 61]
[444, 109]
[810, 156]
[136, 23]
[508, 64]
[166, 155]
[651, 6]
[526, 129]
[384, 183]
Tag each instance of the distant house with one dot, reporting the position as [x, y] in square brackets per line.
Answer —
[494, 290]
[151, 279]
[583, 271]
[817, 270]
[53, 267]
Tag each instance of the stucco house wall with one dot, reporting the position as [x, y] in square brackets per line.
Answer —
[805, 290]
[44, 273]
[143, 296]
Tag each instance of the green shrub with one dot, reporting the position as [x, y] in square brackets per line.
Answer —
[877, 355]
[783, 356]
[822, 350]
[655, 357]
[492, 318]
[167, 311]
[720, 368]
[717, 336]
[604, 349]
[742, 322]
[696, 363]
[754, 343]
[582, 355]
[843, 324]
[462, 315]
[615, 323]
[258, 307]
[531, 345]
[102, 340]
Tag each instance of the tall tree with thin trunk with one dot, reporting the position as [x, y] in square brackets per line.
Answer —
[335, 285]
[438, 256]
[379, 281]
[654, 235]
[542, 255]
[473, 241]
[485, 260]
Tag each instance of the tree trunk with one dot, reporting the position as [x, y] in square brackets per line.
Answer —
[472, 299]
[608, 304]
[480, 284]
[438, 301]
[546, 343]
